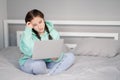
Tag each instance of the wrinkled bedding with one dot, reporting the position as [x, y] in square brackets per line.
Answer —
[84, 68]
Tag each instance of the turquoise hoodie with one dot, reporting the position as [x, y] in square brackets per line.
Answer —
[27, 42]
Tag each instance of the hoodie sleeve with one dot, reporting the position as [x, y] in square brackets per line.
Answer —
[26, 42]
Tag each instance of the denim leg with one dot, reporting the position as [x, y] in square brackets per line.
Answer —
[50, 64]
[34, 67]
[64, 64]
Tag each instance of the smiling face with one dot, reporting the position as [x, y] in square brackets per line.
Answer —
[38, 24]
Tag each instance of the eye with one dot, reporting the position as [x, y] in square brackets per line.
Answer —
[40, 22]
[34, 25]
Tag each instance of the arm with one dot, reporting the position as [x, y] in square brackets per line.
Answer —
[26, 42]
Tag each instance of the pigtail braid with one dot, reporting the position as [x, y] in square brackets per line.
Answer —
[36, 33]
[49, 36]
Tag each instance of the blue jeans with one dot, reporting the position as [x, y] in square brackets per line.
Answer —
[41, 67]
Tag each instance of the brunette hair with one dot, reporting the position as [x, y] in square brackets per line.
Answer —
[34, 13]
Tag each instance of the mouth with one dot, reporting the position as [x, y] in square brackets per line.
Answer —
[41, 29]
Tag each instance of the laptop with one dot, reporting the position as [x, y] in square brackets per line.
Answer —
[47, 49]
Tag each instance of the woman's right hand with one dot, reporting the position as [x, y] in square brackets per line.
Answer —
[54, 58]
[28, 24]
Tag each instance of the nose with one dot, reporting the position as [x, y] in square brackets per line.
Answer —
[39, 26]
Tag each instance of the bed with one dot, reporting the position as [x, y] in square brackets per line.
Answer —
[96, 58]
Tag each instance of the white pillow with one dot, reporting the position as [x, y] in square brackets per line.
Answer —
[97, 47]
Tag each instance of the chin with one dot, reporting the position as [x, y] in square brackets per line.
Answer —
[41, 32]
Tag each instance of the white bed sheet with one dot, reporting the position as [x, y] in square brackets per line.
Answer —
[84, 68]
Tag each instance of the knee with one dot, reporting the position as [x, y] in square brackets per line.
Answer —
[39, 67]
[70, 57]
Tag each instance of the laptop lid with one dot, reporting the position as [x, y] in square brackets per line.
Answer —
[47, 49]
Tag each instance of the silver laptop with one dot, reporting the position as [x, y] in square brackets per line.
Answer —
[47, 49]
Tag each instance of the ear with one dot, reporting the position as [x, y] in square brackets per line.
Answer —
[28, 24]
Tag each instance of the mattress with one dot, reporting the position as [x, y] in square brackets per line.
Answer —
[84, 68]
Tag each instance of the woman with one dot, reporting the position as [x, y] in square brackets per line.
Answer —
[39, 29]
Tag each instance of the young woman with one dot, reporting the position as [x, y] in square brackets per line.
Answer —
[39, 29]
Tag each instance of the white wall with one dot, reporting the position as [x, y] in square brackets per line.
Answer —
[3, 15]
[67, 9]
